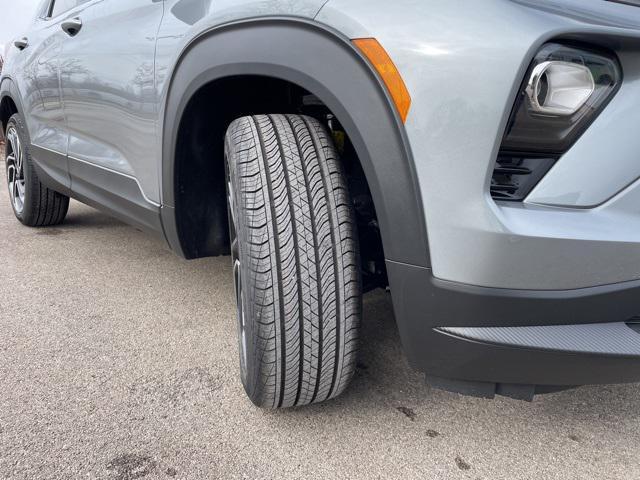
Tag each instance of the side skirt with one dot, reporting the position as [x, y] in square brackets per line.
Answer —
[114, 193]
[51, 168]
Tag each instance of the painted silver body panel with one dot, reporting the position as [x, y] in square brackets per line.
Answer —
[462, 61]
[107, 82]
[38, 80]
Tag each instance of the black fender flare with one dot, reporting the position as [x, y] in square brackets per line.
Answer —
[326, 64]
[8, 88]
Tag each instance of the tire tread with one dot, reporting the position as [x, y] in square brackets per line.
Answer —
[297, 234]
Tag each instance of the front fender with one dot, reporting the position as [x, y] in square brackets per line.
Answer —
[326, 64]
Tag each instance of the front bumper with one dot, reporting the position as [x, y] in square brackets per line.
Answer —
[521, 297]
[569, 254]
[486, 340]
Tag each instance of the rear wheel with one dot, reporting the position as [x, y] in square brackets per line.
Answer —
[295, 255]
[33, 204]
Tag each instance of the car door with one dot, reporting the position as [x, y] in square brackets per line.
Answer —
[39, 83]
[110, 106]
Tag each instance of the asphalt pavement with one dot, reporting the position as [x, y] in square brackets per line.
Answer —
[118, 360]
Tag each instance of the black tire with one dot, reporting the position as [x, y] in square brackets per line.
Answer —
[296, 260]
[37, 205]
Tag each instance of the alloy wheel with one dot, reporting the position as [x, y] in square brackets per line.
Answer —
[237, 276]
[15, 170]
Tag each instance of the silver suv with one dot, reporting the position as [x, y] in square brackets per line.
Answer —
[479, 158]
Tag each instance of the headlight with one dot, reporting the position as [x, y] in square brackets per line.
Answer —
[559, 88]
[564, 90]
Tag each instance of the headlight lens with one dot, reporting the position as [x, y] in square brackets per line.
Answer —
[564, 90]
[559, 88]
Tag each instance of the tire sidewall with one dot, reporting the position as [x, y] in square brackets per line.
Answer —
[251, 374]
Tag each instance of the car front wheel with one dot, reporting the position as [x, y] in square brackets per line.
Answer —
[296, 261]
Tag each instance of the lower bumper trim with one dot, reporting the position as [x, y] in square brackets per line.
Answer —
[616, 339]
[516, 337]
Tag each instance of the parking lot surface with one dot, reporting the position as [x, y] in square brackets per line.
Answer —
[118, 360]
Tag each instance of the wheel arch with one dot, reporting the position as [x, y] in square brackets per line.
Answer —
[9, 102]
[327, 65]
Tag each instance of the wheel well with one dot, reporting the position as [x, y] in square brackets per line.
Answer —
[7, 110]
[200, 192]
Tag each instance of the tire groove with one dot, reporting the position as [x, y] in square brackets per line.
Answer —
[277, 255]
[305, 173]
[335, 256]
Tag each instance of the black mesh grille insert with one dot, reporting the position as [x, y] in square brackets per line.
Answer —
[514, 176]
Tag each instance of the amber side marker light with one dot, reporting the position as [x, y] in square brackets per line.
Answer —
[385, 67]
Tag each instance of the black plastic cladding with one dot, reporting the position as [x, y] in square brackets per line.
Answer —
[424, 304]
[350, 89]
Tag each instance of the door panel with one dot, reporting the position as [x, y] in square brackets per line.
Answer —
[38, 81]
[108, 88]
